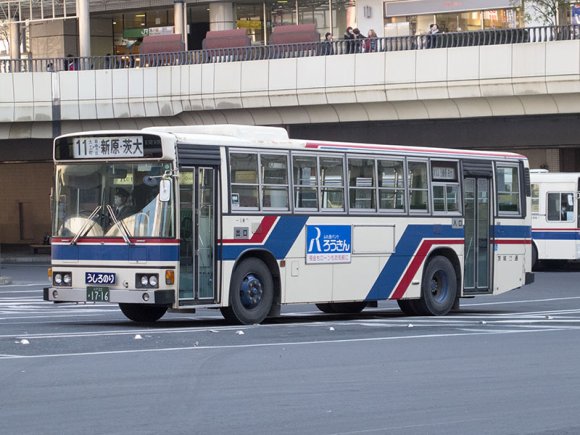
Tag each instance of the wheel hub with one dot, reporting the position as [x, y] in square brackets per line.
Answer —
[439, 287]
[251, 291]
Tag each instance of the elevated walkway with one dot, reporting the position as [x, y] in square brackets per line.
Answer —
[523, 73]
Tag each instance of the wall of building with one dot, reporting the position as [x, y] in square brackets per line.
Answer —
[25, 198]
[60, 37]
[101, 36]
[54, 38]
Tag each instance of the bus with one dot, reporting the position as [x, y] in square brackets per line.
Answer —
[555, 215]
[245, 220]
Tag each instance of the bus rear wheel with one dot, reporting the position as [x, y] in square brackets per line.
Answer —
[143, 313]
[251, 293]
[439, 288]
[342, 307]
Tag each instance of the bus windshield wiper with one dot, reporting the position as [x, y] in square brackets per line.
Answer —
[120, 225]
[89, 223]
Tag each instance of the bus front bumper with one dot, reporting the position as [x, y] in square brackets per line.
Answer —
[141, 296]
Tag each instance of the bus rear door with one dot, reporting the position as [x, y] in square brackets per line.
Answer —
[478, 220]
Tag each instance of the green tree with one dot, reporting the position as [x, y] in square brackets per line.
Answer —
[548, 12]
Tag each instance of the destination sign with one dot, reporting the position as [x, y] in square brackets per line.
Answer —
[107, 147]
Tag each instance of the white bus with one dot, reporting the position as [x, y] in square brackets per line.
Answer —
[555, 228]
[245, 219]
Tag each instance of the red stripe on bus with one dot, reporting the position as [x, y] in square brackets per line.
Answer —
[259, 236]
[418, 149]
[512, 241]
[417, 261]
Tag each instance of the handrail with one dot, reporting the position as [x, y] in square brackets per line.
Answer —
[309, 49]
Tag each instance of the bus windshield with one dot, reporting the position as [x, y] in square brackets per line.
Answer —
[111, 200]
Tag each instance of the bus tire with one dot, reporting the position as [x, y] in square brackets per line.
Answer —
[534, 256]
[251, 293]
[439, 288]
[408, 306]
[349, 307]
[143, 313]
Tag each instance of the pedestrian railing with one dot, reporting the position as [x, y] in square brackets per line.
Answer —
[282, 51]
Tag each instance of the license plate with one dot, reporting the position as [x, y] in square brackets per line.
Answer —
[99, 278]
[97, 294]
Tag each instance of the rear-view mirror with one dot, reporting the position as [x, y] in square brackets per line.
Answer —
[165, 190]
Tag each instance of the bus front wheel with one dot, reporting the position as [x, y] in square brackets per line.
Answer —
[143, 313]
[251, 293]
[408, 306]
[439, 288]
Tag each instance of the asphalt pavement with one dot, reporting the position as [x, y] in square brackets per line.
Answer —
[503, 365]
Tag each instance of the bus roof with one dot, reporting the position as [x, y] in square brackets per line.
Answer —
[273, 137]
[554, 177]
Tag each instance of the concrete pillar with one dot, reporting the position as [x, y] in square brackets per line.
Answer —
[221, 16]
[178, 18]
[15, 45]
[84, 28]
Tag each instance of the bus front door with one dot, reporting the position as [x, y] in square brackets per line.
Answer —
[197, 277]
[477, 253]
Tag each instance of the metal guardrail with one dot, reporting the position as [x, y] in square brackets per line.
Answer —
[241, 54]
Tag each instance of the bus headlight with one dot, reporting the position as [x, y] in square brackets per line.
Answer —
[62, 279]
[146, 280]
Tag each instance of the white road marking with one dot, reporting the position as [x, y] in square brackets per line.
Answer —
[268, 345]
[43, 284]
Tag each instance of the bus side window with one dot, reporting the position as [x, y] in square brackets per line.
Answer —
[274, 177]
[418, 186]
[561, 207]
[361, 175]
[305, 178]
[244, 180]
[332, 182]
[535, 198]
[508, 190]
[391, 182]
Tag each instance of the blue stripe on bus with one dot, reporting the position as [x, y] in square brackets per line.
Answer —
[400, 259]
[116, 252]
[279, 242]
[511, 231]
[556, 235]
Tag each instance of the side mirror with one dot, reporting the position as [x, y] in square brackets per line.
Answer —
[165, 190]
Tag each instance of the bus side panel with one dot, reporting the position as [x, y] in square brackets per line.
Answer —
[512, 251]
